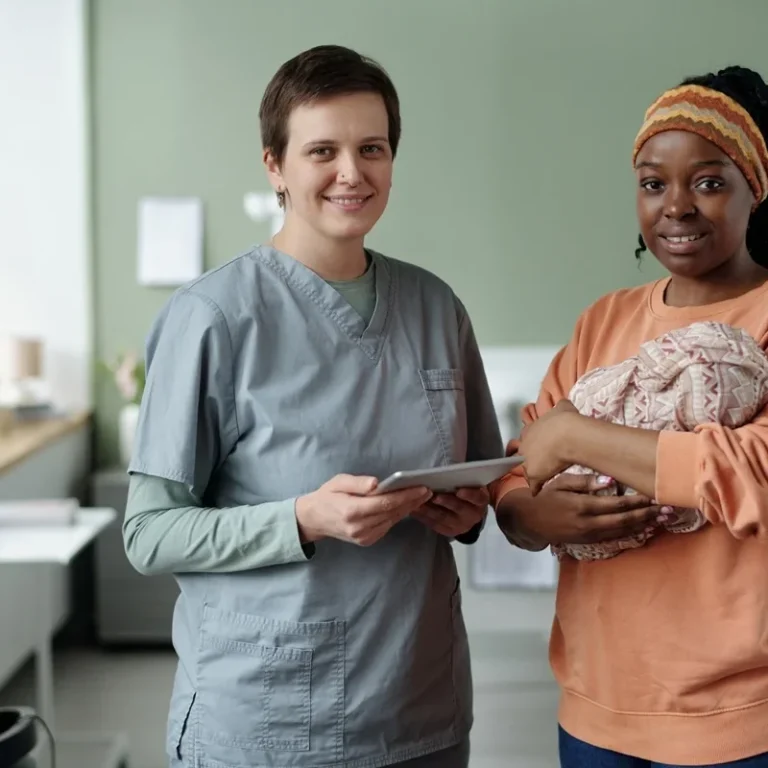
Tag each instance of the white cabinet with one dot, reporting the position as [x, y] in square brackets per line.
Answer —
[130, 608]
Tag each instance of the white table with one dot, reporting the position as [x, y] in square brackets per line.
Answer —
[53, 544]
[54, 547]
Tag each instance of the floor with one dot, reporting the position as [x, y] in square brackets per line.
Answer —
[515, 700]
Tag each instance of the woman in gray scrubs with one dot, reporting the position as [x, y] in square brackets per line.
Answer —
[318, 625]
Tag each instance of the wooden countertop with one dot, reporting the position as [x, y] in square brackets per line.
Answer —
[28, 437]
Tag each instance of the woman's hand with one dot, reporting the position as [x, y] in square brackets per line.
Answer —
[453, 514]
[568, 512]
[343, 509]
[545, 444]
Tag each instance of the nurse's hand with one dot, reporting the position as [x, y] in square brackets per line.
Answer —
[343, 509]
[453, 514]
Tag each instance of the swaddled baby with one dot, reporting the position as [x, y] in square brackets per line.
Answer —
[705, 373]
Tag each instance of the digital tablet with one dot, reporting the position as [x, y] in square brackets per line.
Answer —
[471, 474]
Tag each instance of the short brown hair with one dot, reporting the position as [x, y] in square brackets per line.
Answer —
[320, 72]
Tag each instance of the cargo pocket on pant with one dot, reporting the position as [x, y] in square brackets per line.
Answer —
[444, 391]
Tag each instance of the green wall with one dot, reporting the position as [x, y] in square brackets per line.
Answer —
[513, 181]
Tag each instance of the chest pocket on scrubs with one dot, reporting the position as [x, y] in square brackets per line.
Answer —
[267, 685]
[444, 390]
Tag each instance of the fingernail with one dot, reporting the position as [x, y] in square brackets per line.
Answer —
[650, 529]
[604, 480]
[666, 510]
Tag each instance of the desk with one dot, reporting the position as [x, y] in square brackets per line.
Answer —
[41, 553]
[56, 544]
[29, 437]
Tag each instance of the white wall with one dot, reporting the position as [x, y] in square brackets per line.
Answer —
[45, 284]
[514, 376]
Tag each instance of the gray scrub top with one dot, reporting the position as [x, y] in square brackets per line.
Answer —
[262, 384]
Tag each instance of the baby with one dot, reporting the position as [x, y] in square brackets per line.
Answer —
[705, 373]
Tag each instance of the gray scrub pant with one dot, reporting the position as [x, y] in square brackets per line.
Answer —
[453, 757]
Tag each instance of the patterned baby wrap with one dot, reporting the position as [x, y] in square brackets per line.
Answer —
[705, 373]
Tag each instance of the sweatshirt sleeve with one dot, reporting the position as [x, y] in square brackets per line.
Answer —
[560, 377]
[167, 530]
[721, 471]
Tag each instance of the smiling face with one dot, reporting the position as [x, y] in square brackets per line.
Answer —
[337, 166]
[693, 205]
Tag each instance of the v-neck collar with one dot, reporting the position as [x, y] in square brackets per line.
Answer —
[370, 339]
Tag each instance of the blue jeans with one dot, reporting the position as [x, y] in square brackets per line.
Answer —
[578, 754]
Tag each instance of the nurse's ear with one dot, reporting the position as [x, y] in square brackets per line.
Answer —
[274, 174]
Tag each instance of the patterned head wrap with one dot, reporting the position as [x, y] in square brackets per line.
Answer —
[717, 118]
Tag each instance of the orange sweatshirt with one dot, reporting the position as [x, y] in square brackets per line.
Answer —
[662, 652]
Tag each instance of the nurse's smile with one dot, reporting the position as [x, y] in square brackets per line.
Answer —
[347, 203]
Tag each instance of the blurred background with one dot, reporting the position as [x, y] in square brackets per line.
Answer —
[126, 125]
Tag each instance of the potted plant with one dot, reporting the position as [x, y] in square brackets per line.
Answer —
[129, 375]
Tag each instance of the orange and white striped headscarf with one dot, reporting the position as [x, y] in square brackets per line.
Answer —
[717, 118]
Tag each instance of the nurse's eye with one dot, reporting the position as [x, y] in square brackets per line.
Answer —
[371, 149]
[321, 152]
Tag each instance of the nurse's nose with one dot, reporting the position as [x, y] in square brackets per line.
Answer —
[349, 171]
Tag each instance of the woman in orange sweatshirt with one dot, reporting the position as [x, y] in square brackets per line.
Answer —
[662, 652]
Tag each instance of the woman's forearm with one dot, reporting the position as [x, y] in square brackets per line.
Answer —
[626, 454]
